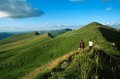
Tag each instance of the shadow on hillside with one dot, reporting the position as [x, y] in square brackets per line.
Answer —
[62, 66]
[50, 35]
[111, 35]
[109, 66]
[105, 67]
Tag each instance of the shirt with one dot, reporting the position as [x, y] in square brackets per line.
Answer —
[90, 43]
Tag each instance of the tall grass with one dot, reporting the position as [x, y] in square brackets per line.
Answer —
[17, 61]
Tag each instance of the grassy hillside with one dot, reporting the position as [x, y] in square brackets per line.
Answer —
[17, 37]
[52, 32]
[22, 42]
[102, 62]
[56, 32]
[89, 58]
[95, 64]
[24, 60]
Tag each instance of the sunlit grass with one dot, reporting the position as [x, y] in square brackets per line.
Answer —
[31, 57]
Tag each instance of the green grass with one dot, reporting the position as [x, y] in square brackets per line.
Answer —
[17, 37]
[22, 54]
[93, 65]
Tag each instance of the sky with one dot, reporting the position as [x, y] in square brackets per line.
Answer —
[36, 15]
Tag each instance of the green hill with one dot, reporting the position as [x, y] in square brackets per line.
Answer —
[31, 56]
[55, 33]
[16, 37]
[4, 35]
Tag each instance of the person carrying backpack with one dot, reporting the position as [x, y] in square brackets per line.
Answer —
[82, 45]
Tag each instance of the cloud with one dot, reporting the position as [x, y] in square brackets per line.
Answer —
[17, 9]
[76, 0]
[4, 14]
[108, 9]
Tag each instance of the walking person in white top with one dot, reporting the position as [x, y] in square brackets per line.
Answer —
[90, 44]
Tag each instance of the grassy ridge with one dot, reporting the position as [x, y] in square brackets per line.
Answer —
[48, 67]
[93, 65]
[102, 46]
[17, 37]
[22, 43]
[16, 62]
[14, 58]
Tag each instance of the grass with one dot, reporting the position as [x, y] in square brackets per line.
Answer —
[17, 37]
[24, 42]
[48, 67]
[29, 59]
[93, 65]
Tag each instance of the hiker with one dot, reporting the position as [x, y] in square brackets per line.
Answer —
[113, 44]
[81, 45]
[90, 44]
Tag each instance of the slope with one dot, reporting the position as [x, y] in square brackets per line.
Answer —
[56, 32]
[95, 64]
[9, 52]
[16, 37]
[101, 62]
[21, 42]
[29, 58]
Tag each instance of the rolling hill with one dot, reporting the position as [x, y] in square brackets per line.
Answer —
[33, 56]
[4, 35]
[55, 32]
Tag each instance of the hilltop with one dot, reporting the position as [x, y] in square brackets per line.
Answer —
[54, 33]
[43, 55]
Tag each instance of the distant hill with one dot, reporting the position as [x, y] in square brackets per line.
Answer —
[55, 32]
[17, 37]
[115, 25]
[4, 35]
[34, 56]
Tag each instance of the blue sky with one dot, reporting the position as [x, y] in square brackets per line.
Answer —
[31, 15]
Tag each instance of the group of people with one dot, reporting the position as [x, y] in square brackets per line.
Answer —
[82, 45]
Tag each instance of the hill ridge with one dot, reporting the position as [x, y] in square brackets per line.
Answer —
[49, 66]
[38, 54]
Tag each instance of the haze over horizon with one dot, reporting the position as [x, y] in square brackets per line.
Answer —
[31, 15]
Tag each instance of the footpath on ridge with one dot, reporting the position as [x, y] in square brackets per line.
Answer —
[55, 65]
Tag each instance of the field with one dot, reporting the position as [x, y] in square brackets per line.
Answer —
[33, 56]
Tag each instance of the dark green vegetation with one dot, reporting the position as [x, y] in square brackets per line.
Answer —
[54, 33]
[20, 55]
[4, 35]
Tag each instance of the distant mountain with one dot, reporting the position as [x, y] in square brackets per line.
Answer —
[17, 37]
[52, 32]
[55, 32]
[4, 35]
[115, 25]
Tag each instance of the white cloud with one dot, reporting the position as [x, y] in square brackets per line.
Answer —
[17, 9]
[108, 23]
[4, 15]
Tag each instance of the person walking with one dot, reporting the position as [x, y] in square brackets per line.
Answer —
[82, 44]
[90, 44]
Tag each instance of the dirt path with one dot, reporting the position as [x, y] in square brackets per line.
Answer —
[50, 66]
